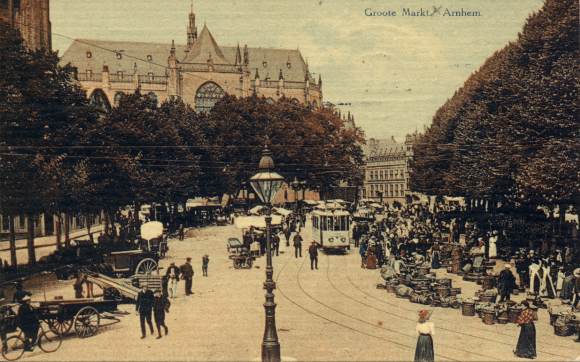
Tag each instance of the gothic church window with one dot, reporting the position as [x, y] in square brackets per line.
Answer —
[99, 100]
[207, 96]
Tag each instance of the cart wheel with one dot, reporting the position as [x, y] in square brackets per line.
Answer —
[146, 266]
[236, 264]
[60, 325]
[249, 262]
[13, 348]
[86, 322]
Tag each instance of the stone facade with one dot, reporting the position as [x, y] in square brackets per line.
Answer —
[31, 18]
[200, 72]
[387, 169]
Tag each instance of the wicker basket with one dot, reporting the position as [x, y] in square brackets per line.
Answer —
[487, 298]
[563, 330]
[468, 309]
[444, 282]
[488, 317]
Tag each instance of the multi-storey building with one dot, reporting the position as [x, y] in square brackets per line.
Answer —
[199, 72]
[31, 18]
[387, 169]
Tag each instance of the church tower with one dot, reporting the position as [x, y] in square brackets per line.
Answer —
[191, 28]
[31, 18]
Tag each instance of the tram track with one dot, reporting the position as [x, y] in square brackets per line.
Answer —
[335, 322]
[487, 357]
[409, 347]
[439, 319]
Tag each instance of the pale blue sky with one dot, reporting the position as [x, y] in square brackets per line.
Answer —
[395, 71]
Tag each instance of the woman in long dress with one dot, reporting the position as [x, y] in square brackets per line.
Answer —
[526, 347]
[435, 257]
[424, 352]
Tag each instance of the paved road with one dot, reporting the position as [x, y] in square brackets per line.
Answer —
[331, 314]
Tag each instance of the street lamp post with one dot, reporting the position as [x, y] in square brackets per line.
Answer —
[266, 183]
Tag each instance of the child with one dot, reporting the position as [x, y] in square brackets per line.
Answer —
[204, 263]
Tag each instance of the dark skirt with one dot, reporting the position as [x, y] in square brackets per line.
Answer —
[435, 263]
[526, 347]
[424, 351]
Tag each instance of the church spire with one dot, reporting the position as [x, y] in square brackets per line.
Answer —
[191, 28]
[238, 55]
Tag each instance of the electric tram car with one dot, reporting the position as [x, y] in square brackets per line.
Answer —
[331, 229]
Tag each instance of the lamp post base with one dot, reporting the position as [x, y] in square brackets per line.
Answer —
[271, 352]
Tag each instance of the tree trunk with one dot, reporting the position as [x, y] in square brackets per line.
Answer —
[106, 221]
[13, 259]
[58, 230]
[30, 240]
[66, 230]
[89, 222]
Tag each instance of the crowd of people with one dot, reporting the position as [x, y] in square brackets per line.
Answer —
[393, 237]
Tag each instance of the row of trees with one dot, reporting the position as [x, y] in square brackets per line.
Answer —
[510, 134]
[61, 155]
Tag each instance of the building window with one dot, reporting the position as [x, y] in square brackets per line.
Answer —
[89, 74]
[119, 56]
[120, 74]
[89, 54]
[207, 96]
[151, 75]
[99, 100]
[117, 98]
[149, 57]
[5, 222]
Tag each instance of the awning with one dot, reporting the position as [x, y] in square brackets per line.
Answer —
[151, 230]
[256, 210]
[245, 222]
[281, 211]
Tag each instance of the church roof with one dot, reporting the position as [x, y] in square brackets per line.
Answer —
[131, 53]
[205, 47]
[383, 147]
[268, 61]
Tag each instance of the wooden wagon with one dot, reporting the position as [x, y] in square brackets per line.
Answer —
[84, 315]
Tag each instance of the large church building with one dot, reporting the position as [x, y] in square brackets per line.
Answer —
[200, 72]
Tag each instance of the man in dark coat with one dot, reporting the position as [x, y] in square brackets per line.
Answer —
[276, 243]
[187, 275]
[287, 234]
[144, 307]
[297, 245]
[313, 252]
[506, 283]
[28, 322]
[160, 307]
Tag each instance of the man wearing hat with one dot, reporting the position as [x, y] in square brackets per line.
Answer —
[144, 307]
[27, 322]
[160, 306]
[20, 293]
[204, 264]
[172, 275]
[313, 252]
[506, 283]
[187, 275]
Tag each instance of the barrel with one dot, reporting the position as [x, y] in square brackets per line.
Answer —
[488, 282]
[468, 309]
[503, 318]
[444, 282]
[443, 291]
[488, 316]
[513, 314]
[454, 291]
